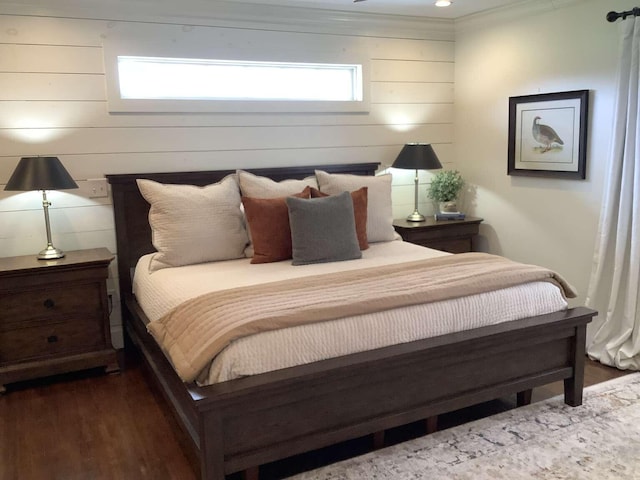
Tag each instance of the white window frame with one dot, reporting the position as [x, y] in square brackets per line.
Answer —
[117, 104]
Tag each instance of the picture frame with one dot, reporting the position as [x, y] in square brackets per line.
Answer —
[548, 135]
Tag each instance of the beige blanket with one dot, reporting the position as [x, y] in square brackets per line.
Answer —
[194, 332]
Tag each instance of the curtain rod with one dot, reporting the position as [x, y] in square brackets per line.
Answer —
[613, 16]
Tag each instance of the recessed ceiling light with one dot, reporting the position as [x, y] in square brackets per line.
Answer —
[443, 3]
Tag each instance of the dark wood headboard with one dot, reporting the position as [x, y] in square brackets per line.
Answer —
[131, 210]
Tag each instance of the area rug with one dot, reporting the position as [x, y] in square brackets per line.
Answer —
[544, 440]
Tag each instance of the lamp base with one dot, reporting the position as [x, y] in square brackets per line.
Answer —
[415, 217]
[50, 253]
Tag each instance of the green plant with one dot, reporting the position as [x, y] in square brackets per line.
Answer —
[445, 186]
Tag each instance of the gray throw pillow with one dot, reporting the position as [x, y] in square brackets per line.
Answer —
[323, 229]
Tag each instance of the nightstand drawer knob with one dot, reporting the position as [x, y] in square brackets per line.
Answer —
[52, 339]
[48, 303]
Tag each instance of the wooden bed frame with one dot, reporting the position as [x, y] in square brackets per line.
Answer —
[240, 424]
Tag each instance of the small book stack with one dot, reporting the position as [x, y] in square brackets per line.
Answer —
[449, 216]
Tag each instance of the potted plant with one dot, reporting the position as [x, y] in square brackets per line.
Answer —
[444, 189]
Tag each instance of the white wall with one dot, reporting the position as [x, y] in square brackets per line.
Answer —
[53, 102]
[549, 222]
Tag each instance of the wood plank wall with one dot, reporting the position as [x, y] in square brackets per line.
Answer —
[53, 102]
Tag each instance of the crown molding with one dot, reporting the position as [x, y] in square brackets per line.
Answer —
[509, 13]
[219, 13]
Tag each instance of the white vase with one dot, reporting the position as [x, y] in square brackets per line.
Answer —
[448, 207]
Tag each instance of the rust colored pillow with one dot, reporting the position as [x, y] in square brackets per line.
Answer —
[359, 198]
[268, 221]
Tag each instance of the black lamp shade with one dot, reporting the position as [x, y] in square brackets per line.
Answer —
[417, 156]
[40, 173]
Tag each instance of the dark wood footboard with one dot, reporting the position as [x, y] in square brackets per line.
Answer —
[243, 423]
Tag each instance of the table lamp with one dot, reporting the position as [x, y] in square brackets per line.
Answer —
[417, 156]
[42, 173]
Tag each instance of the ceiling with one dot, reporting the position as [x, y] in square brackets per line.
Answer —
[422, 8]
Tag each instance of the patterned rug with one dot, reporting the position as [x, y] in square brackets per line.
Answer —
[544, 440]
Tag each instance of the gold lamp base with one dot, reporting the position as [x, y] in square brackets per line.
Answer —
[415, 217]
[50, 253]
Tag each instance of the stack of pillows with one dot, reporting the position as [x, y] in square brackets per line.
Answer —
[323, 218]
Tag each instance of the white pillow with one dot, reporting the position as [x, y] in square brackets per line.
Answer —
[379, 211]
[255, 186]
[192, 224]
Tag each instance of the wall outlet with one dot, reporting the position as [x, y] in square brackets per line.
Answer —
[97, 187]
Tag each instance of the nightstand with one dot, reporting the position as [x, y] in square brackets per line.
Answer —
[454, 236]
[54, 315]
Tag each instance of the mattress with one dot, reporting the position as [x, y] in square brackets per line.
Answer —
[161, 291]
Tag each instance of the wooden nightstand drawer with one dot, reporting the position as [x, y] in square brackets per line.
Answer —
[63, 338]
[454, 245]
[48, 304]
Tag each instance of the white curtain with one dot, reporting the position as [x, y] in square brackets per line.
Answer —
[615, 276]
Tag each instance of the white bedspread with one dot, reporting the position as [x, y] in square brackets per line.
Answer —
[159, 292]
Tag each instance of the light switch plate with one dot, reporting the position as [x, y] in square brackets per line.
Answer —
[97, 187]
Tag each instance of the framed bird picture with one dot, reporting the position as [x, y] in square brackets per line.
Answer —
[548, 135]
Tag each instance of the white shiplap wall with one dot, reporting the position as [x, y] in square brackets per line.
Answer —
[53, 102]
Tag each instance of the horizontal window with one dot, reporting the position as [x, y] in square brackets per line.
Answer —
[191, 79]
[168, 84]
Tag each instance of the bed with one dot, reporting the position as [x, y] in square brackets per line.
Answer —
[359, 394]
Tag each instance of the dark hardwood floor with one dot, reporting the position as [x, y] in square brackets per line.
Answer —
[95, 426]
